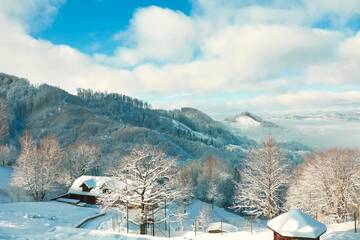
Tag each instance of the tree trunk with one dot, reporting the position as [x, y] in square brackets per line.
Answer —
[143, 228]
[143, 219]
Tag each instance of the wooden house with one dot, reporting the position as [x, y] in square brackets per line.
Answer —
[296, 225]
[86, 189]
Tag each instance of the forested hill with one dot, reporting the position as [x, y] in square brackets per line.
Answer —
[114, 122]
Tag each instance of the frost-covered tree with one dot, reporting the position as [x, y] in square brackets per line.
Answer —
[204, 217]
[212, 174]
[263, 179]
[36, 168]
[327, 184]
[145, 179]
[79, 159]
[4, 121]
[5, 153]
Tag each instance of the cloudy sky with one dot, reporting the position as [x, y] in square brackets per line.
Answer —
[221, 56]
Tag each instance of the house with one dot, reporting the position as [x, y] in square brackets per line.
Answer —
[296, 225]
[86, 189]
[221, 227]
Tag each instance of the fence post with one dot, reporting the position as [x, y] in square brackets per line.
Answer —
[251, 226]
[169, 228]
[127, 217]
[355, 221]
[165, 216]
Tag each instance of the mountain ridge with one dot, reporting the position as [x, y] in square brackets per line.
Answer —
[115, 122]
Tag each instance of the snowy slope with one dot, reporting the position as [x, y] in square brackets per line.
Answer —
[5, 177]
[28, 218]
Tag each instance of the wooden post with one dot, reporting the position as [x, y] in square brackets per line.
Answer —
[355, 221]
[127, 217]
[169, 229]
[153, 223]
[251, 226]
[165, 216]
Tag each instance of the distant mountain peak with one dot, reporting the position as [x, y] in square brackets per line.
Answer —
[249, 120]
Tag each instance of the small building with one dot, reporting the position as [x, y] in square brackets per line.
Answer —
[86, 189]
[296, 225]
[221, 227]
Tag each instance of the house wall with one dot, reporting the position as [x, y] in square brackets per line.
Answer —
[277, 236]
[83, 198]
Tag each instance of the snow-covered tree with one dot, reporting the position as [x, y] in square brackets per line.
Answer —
[204, 217]
[263, 179]
[327, 184]
[79, 159]
[36, 168]
[4, 121]
[144, 180]
[5, 153]
[213, 173]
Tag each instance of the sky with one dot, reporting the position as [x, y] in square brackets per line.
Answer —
[221, 56]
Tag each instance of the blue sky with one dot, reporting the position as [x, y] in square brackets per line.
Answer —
[89, 25]
[220, 56]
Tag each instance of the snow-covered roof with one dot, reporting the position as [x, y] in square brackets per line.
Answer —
[221, 226]
[93, 182]
[90, 183]
[295, 223]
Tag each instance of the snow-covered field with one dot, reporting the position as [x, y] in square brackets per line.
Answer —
[22, 219]
[335, 232]
[56, 221]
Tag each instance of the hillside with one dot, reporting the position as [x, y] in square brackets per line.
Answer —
[115, 122]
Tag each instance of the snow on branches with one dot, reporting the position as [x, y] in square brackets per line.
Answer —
[36, 168]
[263, 180]
[327, 184]
[79, 159]
[145, 180]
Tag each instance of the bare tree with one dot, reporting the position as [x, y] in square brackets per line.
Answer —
[4, 121]
[145, 179]
[79, 159]
[263, 179]
[327, 184]
[36, 168]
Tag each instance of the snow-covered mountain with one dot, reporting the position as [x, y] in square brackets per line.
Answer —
[349, 115]
[250, 120]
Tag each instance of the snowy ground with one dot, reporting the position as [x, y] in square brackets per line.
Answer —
[56, 221]
[335, 232]
[215, 214]
[27, 218]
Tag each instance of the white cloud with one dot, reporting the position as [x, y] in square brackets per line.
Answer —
[223, 46]
[33, 15]
[157, 34]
